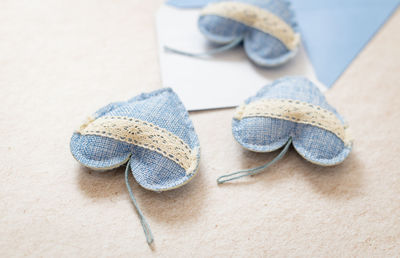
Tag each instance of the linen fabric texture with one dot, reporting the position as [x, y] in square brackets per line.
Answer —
[153, 171]
[262, 48]
[266, 134]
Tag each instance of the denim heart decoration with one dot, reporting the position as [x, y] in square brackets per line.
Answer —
[152, 132]
[290, 111]
[267, 28]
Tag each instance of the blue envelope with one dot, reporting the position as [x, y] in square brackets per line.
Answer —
[333, 31]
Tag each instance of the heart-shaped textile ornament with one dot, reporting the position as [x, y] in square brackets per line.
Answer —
[267, 29]
[152, 132]
[291, 110]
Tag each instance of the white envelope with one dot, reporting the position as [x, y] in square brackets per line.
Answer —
[219, 81]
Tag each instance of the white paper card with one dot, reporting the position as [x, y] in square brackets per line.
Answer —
[223, 80]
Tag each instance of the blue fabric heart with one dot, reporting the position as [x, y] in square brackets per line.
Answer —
[150, 160]
[265, 134]
[151, 170]
[262, 48]
[290, 111]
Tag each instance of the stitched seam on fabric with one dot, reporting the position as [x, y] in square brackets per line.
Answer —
[258, 145]
[295, 111]
[143, 134]
[316, 162]
[147, 96]
[257, 18]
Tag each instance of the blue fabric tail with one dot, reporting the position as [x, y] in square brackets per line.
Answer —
[211, 52]
[146, 227]
[253, 171]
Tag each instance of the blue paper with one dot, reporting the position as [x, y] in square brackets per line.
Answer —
[333, 32]
[189, 3]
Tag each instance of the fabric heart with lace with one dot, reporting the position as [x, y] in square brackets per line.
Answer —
[151, 132]
[290, 111]
[267, 29]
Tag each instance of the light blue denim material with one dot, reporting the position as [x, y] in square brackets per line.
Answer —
[262, 48]
[150, 169]
[264, 134]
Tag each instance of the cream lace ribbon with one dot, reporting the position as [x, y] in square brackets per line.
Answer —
[257, 18]
[295, 111]
[143, 134]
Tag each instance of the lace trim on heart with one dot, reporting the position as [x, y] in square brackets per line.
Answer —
[257, 18]
[143, 134]
[295, 111]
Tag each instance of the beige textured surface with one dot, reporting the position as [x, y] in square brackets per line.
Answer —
[61, 60]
